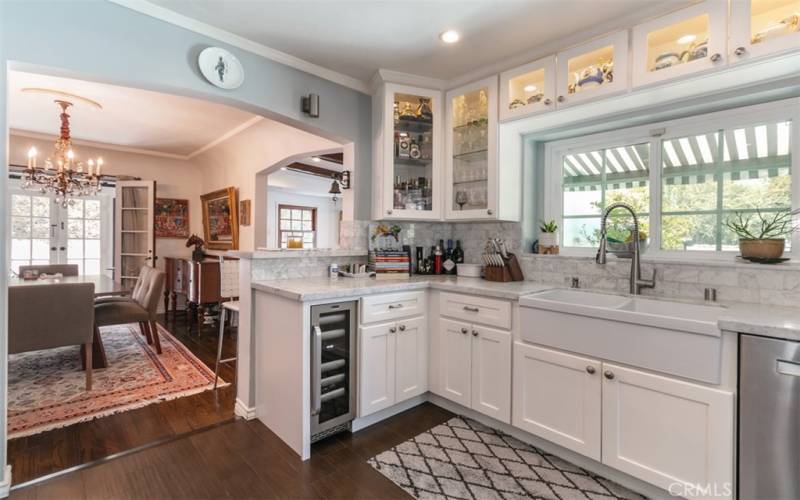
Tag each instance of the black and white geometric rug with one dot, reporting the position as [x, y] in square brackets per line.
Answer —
[464, 459]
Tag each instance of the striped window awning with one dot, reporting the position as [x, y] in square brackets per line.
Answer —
[753, 152]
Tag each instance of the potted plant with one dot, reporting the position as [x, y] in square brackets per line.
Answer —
[548, 236]
[761, 236]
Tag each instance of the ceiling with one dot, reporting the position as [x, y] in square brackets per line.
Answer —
[138, 120]
[356, 38]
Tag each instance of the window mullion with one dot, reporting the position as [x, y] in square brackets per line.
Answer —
[718, 170]
[655, 192]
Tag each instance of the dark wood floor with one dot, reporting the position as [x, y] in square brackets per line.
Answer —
[41, 454]
[243, 459]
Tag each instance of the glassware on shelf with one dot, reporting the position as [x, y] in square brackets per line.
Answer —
[461, 199]
[424, 111]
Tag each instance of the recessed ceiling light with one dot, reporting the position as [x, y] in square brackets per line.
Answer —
[284, 169]
[529, 88]
[450, 36]
[315, 158]
[687, 39]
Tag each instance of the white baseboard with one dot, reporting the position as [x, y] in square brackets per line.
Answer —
[587, 463]
[374, 418]
[240, 409]
[5, 484]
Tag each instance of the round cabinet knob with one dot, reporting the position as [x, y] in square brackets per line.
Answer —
[560, 98]
[608, 374]
[388, 212]
[490, 211]
[715, 57]
[740, 51]
[392, 330]
[402, 328]
[474, 333]
[590, 370]
[548, 102]
[464, 330]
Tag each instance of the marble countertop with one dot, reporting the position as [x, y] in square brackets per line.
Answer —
[756, 319]
[326, 288]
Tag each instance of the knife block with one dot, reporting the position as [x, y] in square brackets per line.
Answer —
[497, 273]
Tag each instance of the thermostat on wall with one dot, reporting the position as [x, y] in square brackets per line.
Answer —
[221, 68]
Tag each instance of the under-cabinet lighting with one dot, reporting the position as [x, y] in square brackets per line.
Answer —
[687, 39]
[761, 141]
[705, 149]
[449, 36]
[740, 137]
[530, 88]
[671, 154]
[783, 138]
[686, 147]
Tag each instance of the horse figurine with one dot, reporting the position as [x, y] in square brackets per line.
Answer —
[197, 254]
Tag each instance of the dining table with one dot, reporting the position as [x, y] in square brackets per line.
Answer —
[103, 287]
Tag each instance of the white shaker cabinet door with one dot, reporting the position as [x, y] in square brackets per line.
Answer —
[411, 358]
[557, 397]
[455, 340]
[376, 357]
[666, 431]
[491, 372]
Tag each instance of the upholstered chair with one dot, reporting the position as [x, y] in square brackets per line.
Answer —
[141, 308]
[64, 269]
[50, 316]
[123, 298]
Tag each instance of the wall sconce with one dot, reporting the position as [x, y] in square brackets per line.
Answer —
[310, 105]
[344, 180]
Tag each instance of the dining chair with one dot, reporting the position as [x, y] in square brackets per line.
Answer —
[140, 308]
[229, 289]
[52, 315]
[64, 269]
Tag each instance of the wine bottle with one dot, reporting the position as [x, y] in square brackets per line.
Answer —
[458, 253]
[437, 260]
[449, 263]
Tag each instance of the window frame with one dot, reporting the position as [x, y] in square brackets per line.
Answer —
[655, 133]
[313, 231]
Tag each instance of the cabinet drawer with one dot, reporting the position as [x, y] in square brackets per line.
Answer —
[470, 308]
[392, 306]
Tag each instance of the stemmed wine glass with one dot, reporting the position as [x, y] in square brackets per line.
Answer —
[461, 199]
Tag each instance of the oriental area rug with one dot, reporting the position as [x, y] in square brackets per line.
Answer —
[46, 389]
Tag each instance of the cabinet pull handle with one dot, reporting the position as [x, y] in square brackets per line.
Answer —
[740, 51]
[392, 329]
[715, 57]
[560, 98]
[395, 306]
[464, 331]
[548, 102]
[402, 328]
[609, 375]
[471, 309]
[474, 333]
[590, 370]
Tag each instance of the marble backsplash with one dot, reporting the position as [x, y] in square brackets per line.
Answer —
[297, 268]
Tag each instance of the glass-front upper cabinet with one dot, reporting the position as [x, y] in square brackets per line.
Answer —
[592, 70]
[687, 41]
[471, 168]
[760, 27]
[412, 153]
[528, 89]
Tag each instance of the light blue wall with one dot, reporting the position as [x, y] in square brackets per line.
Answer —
[3, 249]
[104, 42]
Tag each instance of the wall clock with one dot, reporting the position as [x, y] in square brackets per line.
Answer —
[221, 68]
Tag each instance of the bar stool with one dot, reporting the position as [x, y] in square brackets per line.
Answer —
[229, 288]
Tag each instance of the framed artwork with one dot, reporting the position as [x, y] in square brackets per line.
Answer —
[244, 213]
[220, 219]
[171, 218]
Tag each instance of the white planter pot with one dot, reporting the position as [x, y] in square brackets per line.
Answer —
[548, 239]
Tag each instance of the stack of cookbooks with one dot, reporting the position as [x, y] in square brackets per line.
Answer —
[390, 264]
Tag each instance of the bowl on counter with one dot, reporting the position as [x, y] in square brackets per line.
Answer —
[469, 270]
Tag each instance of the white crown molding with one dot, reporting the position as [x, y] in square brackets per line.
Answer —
[388, 75]
[172, 17]
[143, 151]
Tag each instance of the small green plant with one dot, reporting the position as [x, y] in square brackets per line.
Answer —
[760, 226]
[548, 227]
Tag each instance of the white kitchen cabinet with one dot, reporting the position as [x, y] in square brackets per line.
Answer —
[763, 27]
[491, 373]
[684, 42]
[593, 70]
[557, 396]
[528, 89]
[407, 157]
[456, 355]
[476, 367]
[393, 363]
[667, 431]
[376, 365]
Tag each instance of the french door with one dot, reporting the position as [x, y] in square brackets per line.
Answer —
[42, 232]
[134, 235]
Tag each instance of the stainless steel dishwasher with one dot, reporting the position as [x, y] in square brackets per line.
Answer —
[333, 368]
[769, 418]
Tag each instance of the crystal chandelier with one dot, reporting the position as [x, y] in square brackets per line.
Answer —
[63, 175]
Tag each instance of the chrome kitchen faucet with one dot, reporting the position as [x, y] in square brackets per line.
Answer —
[636, 281]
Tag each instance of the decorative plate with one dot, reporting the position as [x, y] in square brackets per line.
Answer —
[221, 68]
